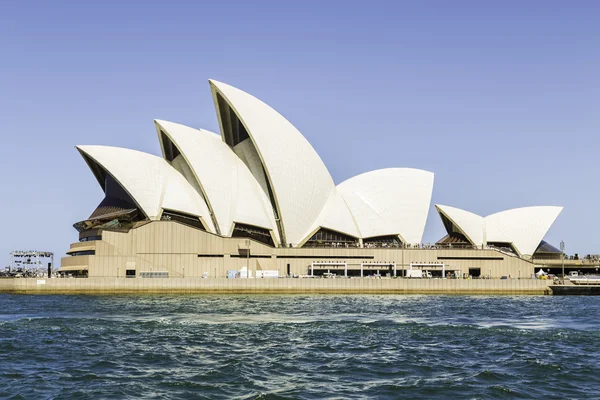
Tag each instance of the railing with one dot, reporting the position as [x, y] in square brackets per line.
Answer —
[333, 245]
[568, 261]
[419, 246]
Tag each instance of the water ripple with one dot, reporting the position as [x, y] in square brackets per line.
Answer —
[300, 347]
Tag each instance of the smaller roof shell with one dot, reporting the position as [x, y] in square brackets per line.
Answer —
[523, 227]
[469, 224]
[393, 201]
[228, 186]
[335, 216]
[150, 181]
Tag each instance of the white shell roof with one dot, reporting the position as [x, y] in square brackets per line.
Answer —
[335, 216]
[224, 186]
[471, 225]
[227, 184]
[300, 181]
[524, 227]
[150, 181]
[393, 201]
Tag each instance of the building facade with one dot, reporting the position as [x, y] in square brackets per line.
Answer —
[176, 249]
[257, 195]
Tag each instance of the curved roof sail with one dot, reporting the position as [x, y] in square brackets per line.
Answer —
[230, 190]
[262, 177]
[469, 224]
[298, 183]
[149, 180]
[524, 227]
[393, 201]
[335, 216]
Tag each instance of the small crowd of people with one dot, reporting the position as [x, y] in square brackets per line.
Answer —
[381, 245]
[398, 245]
[591, 257]
[346, 245]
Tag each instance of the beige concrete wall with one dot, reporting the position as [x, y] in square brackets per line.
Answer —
[7, 285]
[273, 286]
[78, 245]
[186, 252]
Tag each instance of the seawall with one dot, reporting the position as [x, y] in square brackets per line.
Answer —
[273, 286]
[575, 290]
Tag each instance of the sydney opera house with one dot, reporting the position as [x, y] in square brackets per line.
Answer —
[257, 195]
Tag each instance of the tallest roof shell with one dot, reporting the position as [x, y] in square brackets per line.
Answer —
[297, 177]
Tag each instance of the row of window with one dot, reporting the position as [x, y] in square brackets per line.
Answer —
[83, 253]
[185, 219]
[161, 274]
[91, 238]
[253, 232]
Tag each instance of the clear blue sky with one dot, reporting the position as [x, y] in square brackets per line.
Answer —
[501, 100]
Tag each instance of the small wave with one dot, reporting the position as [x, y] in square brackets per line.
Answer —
[299, 347]
[489, 376]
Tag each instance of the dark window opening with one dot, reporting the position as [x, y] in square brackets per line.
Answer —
[90, 238]
[116, 199]
[99, 172]
[117, 211]
[450, 227]
[186, 219]
[130, 273]
[253, 232]
[161, 274]
[454, 238]
[83, 273]
[475, 272]
[83, 253]
[328, 238]
[251, 256]
[507, 247]
[171, 151]
[233, 129]
[389, 241]
[328, 271]
[90, 235]
[545, 251]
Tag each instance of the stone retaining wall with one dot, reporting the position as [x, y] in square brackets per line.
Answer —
[273, 286]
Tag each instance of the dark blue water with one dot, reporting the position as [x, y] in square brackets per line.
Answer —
[305, 347]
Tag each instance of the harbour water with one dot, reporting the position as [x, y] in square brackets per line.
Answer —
[304, 347]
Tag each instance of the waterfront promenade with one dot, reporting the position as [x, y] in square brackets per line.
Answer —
[274, 286]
